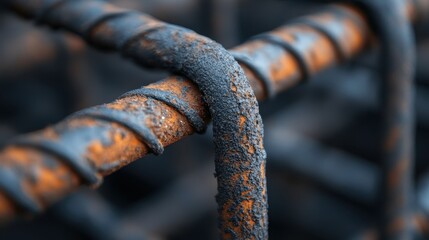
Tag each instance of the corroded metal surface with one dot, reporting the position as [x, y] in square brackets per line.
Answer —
[282, 76]
[238, 131]
[298, 51]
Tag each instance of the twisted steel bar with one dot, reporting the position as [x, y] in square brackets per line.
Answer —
[237, 125]
[30, 48]
[108, 146]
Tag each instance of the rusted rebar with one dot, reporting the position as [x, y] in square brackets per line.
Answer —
[237, 125]
[109, 146]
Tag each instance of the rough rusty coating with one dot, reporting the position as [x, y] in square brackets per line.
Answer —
[78, 164]
[264, 78]
[117, 116]
[109, 146]
[298, 55]
[106, 145]
[174, 101]
[237, 125]
[300, 49]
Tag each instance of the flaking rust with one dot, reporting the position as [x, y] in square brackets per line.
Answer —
[109, 145]
[225, 90]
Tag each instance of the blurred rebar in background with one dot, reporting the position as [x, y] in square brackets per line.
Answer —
[338, 121]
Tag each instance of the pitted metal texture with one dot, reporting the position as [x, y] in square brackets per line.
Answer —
[237, 125]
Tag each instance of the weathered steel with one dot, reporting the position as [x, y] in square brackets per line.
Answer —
[237, 125]
[109, 146]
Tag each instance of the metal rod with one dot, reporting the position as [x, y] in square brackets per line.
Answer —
[397, 60]
[237, 124]
[109, 146]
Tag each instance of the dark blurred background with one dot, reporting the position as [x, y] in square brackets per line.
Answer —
[321, 138]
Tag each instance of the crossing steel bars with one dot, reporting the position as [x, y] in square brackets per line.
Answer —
[293, 53]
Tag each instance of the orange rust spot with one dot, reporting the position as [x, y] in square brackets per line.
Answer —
[243, 211]
[42, 182]
[242, 121]
[168, 124]
[357, 31]
[353, 38]
[285, 68]
[50, 181]
[227, 214]
[96, 147]
[186, 90]
[247, 145]
[319, 54]
[263, 176]
[124, 148]
[244, 140]
[282, 68]
[240, 177]
[247, 205]
[18, 156]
